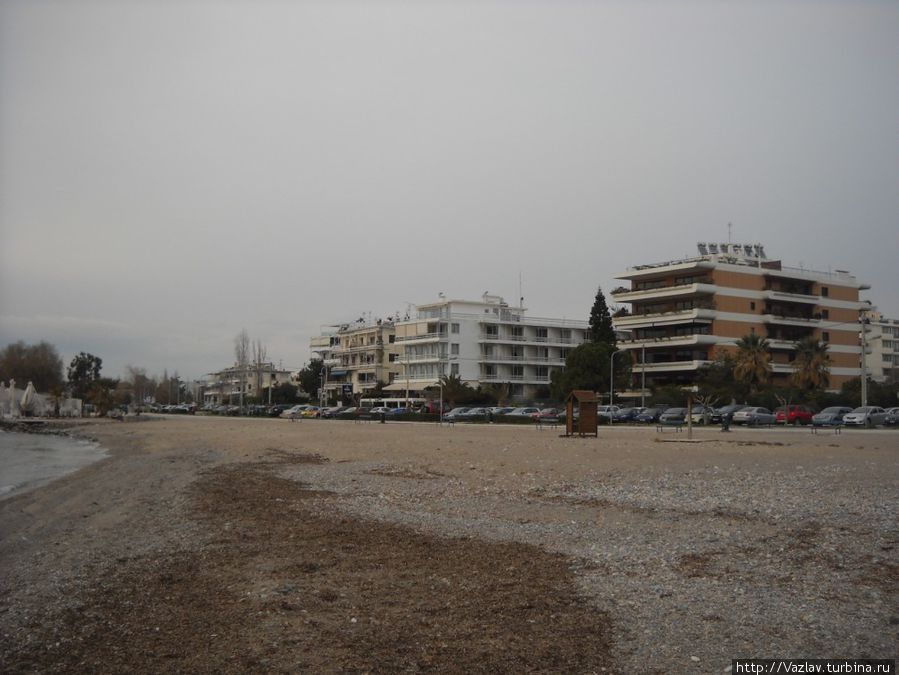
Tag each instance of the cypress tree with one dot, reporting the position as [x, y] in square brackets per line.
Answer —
[601, 321]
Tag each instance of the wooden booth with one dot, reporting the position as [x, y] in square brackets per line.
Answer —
[585, 403]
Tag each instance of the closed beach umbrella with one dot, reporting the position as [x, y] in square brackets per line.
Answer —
[4, 396]
[28, 398]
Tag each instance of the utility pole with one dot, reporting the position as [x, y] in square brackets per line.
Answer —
[864, 363]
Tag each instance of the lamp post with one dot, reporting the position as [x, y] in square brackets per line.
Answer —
[612, 379]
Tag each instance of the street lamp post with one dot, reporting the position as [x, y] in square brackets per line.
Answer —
[612, 379]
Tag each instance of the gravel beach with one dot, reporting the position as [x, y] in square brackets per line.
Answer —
[236, 545]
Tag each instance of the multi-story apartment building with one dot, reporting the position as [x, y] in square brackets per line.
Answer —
[685, 313]
[882, 339]
[357, 356]
[483, 342]
[254, 379]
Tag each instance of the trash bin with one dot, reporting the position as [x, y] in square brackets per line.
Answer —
[383, 417]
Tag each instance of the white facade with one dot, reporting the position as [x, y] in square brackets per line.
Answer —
[882, 339]
[255, 380]
[483, 342]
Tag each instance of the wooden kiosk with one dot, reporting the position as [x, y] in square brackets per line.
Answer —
[585, 424]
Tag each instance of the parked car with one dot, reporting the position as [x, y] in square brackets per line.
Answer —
[456, 414]
[548, 413]
[607, 411]
[702, 414]
[794, 414]
[331, 412]
[499, 410]
[627, 414]
[474, 413]
[754, 417]
[673, 416]
[892, 418]
[523, 412]
[830, 417]
[651, 415]
[294, 412]
[865, 416]
[727, 411]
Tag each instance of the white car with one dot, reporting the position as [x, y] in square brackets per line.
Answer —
[865, 416]
[607, 411]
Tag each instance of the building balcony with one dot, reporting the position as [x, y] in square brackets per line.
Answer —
[534, 360]
[782, 296]
[789, 319]
[542, 341]
[668, 366]
[671, 341]
[663, 292]
[672, 317]
[424, 337]
[421, 358]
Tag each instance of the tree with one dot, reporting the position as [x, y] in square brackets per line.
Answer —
[101, 393]
[310, 377]
[83, 371]
[587, 367]
[284, 393]
[717, 380]
[454, 389]
[601, 329]
[812, 365]
[39, 364]
[260, 354]
[242, 358]
[752, 363]
[141, 385]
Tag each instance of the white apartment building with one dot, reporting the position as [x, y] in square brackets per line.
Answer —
[255, 380]
[483, 342]
[882, 339]
[357, 356]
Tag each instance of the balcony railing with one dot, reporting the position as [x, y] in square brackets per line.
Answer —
[423, 336]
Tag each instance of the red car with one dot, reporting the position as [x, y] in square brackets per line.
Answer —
[794, 414]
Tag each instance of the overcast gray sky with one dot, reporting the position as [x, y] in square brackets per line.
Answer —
[171, 172]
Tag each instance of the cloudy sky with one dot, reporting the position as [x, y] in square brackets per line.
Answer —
[172, 172]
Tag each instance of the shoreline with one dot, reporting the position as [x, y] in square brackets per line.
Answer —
[656, 540]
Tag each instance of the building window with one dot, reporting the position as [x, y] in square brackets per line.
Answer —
[752, 306]
[825, 292]
[542, 334]
[392, 358]
[517, 372]
[825, 314]
[391, 338]
[454, 369]
[825, 337]
[455, 328]
[454, 349]
[542, 372]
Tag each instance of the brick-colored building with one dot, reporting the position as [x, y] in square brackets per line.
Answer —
[685, 313]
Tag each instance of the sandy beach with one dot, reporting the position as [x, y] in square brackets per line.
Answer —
[258, 545]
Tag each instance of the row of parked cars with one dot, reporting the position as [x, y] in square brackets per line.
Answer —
[863, 416]
[738, 414]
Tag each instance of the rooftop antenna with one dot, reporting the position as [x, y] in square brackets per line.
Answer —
[520, 293]
[729, 231]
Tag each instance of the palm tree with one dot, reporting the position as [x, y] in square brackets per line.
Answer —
[811, 369]
[753, 361]
[453, 388]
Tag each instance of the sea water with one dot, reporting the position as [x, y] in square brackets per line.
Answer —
[30, 460]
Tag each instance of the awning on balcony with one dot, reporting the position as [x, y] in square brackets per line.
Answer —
[336, 372]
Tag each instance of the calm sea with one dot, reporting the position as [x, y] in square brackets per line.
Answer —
[30, 460]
